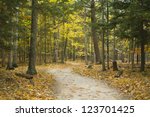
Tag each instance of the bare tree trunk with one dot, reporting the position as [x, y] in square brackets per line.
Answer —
[10, 56]
[32, 52]
[55, 49]
[107, 34]
[9, 64]
[132, 54]
[142, 49]
[93, 30]
[137, 59]
[15, 45]
[73, 51]
[143, 40]
[92, 57]
[65, 47]
[51, 47]
[103, 40]
[55, 59]
[40, 46]
[115, 67]
[45, 36]
[63, 44]
[3, 58]
[85, 40]
[15, 53]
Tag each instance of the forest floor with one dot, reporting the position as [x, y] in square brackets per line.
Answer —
[72, 86]
[73, 81]
[134, 84]
[13, 87]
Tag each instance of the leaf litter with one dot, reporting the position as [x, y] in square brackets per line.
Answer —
[134, 84]
[13, 87]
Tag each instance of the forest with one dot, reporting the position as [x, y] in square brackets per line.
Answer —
[74, 49]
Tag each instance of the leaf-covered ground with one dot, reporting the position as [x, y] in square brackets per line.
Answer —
[135, 84]
[13, 87]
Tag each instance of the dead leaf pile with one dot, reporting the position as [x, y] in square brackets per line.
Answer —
[13, 87]
[135, 85]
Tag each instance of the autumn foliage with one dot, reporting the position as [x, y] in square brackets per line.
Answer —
[13, 87]
[133, 84]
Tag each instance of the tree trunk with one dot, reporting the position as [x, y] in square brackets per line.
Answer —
[74, 53]
[45, 36]
[107, 34]
[10, 60]
[85, 40]
[137, 59]
[15, 44]
[3, 58]
[103, 40]
[15, 53]
[32, 52]
[55, 51]
[65, 48]
[132, 54]
[63, 44]
[142, 53]
[143, 39]
[51, 47]
[93, 30]
[10, 56]
[115, 67]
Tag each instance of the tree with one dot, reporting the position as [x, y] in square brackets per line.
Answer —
[15, 42]
[107, 32]
[10, 56]
[32, 52]
[130, 19]
[103, 39]
[93, 31]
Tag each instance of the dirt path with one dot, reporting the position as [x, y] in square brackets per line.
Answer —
[71, 86]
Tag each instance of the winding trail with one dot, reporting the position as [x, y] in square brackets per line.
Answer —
[72, 86]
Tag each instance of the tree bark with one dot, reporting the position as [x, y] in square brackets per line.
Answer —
[32, 52]
[65, 48]
[132, 54]
[103, 40]
[3, 58]
[55, 50]
[63, 44]
[107, 34]
[142, 50]
[93, 30]
[10, 56]
[73, 51]
[115, 67]
[85, 40]
[45, 36]
[15, 53]
[143, 39]
[15, 45]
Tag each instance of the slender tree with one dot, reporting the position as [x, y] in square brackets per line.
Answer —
[93, 31]
[15, 43]
[32, 52]
[103, 39]
[107, 33]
